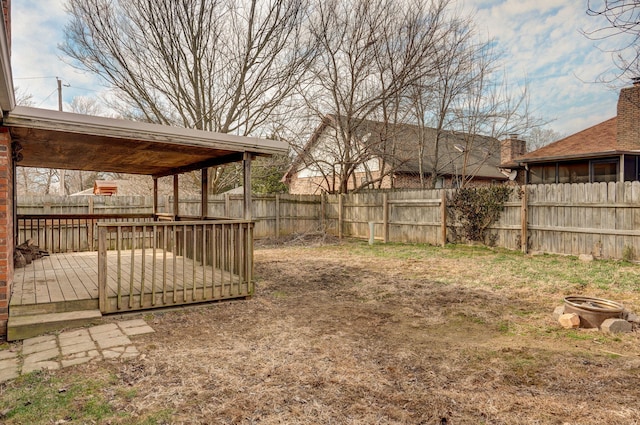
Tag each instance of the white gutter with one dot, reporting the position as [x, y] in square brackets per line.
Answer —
[7, 93]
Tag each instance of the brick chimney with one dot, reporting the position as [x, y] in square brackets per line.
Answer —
[511, 149]
[629, 117]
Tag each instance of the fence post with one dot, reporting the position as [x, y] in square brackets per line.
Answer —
[277, 216]
[90, 205]
[524, 219]
[385, 217]
[322, 211]
[443, 215]
[340, 214]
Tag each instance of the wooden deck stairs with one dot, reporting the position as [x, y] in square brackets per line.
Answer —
[31, 320]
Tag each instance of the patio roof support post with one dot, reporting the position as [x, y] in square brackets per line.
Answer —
[175, 197]
[204, 204]
[246, 162]
[155, 198]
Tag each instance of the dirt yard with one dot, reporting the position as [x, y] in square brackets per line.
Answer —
[348, 334]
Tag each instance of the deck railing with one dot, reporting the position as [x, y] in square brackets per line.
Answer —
[153, 264]
[57, 233]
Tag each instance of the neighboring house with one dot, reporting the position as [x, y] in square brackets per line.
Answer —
[388, 156]
[606, 152]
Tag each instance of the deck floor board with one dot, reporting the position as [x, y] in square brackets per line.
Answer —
[74, 277]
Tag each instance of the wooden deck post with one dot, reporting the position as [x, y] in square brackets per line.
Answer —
[155, 198]
[102, 268]
[443, 219]
[204, 190]
[246, 162]
[524, 219]
[176, 206]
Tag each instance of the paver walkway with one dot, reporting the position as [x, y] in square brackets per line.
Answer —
[110, 341]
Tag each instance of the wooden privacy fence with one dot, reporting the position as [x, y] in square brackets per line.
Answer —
[273, 215]
[602, 219]
[162, 264]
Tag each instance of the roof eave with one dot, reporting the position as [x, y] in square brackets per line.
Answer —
[573, 156]
[118, 128]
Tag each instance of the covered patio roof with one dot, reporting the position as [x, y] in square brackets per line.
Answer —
[63, 140]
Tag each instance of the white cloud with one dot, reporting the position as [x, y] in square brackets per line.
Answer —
[543, 43]
[37, 30]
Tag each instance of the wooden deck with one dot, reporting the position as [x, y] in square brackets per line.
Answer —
[71, 279]
[57, 278]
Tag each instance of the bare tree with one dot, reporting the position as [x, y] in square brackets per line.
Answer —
[368, 54]
[434, 95]
[620, 20]
[222, 65]
[464, 106]
[23, 98]
[32, 181]
[540, 136]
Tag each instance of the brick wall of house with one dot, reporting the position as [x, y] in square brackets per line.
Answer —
[6, 227]
[629, 118]
[317, 185]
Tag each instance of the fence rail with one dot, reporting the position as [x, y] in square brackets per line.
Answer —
[68, 232]
[170, 263]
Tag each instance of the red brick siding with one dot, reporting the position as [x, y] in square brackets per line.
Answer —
[629, 118]
[316, 185]
[6, 228]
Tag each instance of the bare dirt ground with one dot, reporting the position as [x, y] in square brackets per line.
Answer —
[335, 335]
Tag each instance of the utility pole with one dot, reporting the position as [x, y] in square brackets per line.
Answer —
[61, 171]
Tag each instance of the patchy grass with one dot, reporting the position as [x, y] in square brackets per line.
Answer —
[46, 397]
[41, 397]
[357, 334]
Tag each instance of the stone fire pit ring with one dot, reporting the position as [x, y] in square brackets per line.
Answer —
[592, 311]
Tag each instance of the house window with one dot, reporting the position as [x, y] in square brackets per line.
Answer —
[573, 173]
[631, 169]
[604, 171]
[542, 174]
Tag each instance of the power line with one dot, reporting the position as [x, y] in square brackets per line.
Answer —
[33, 78]
[45, 99]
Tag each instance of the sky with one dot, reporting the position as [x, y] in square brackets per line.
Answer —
[540, 42]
